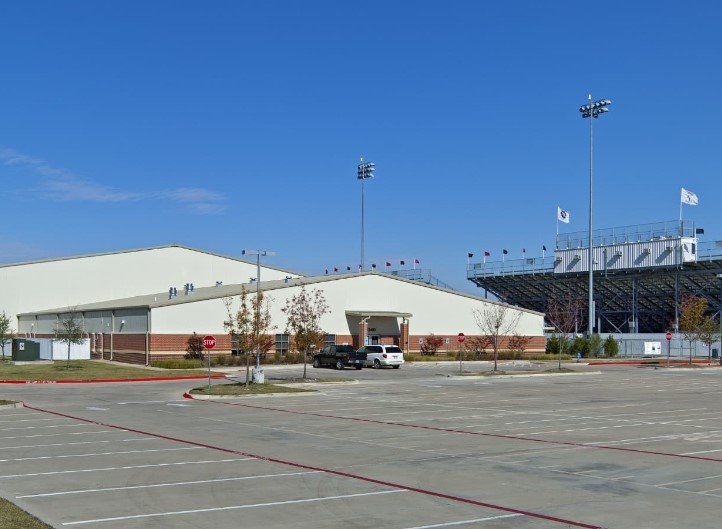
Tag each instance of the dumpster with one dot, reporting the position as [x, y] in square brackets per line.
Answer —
[25, 350]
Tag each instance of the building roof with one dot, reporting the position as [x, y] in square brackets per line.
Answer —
[145, 249]
[378, 314]
[158, 300]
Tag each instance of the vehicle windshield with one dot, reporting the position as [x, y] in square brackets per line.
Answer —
[393, 350]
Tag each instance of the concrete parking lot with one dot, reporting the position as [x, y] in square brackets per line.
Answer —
[401, 449]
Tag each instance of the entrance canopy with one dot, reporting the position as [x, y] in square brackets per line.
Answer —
[377, 314]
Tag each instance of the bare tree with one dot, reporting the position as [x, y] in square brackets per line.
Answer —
[69, 330]
[250, 325]
[6, 330]
[691, 319]
[497, 320]
[304, 312]
[563, 314]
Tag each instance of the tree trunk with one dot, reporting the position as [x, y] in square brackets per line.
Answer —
[690, 352]
[561, 350]
[248, 367]
[68, 354]
[304, 363]
[496, 351]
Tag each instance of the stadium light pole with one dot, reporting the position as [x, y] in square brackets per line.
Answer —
[258, 254]
[365, 170]
[592, 111]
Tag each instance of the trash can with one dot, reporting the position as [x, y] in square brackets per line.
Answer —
[25, 350]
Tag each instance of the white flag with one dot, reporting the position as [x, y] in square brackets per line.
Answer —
[562, 215]
[689, 198]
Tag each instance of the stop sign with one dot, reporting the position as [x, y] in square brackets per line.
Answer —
[461, 337]
[209, 342]
[668, 336]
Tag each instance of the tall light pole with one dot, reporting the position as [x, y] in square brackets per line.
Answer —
[592, 111]
[258, 254]
[365, 170]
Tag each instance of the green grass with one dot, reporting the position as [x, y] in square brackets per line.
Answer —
[83, 370]
[307, 380]
[241, 389]
[13, 517]
[178, 363]
[6, 402]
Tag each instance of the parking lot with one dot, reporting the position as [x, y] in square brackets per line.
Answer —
[407, 449]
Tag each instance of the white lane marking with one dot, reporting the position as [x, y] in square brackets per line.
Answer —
[95, 408]
[687, 481]
[125, 468]
[101, 454]
[701, 452]
[232, 507]
[178, 404]
[49, 426]
[61, 434]
[31, 420]
[464, 522]
[82, 443]
[173, 484]
[145, 402]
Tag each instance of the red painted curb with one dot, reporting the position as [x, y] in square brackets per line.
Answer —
[426, 492]
[659, 362]
[110, 380]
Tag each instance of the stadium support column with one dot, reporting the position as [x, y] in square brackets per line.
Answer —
[676, 302]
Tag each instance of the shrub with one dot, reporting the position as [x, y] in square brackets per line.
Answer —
[431, 344]
[177, 363]
[611, 347]
[595, 345]
[555, 342]
[194, 347]
[580, 345]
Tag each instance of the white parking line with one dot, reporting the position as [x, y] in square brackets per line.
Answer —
[232, 507]
[49, 426]
[464, 522]
[687, 481]
[82, 443]
[701, 452]
[173, 484]
[101, 454]
[125, 468]
[61, 434]
[31, 420]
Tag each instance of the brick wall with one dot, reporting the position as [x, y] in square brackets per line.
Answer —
[536, 344]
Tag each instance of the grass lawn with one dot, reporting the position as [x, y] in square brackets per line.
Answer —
[5, 402]
[240, 389]
[13, 517]
[83, 370]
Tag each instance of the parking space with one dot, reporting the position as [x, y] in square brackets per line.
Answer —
[628, 447]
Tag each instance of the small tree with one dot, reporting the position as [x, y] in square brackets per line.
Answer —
[304, 312]
[611, 347]
[431, 344]
[709, 334]
[691, 319]
[563, 314]
[477, 345]
[6, 331]
[496, 321]
[69, 330]
[595, 345]
[194, 347]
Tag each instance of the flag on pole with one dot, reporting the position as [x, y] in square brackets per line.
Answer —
[373, 266]
[388, 264]
[348, 268]
[562, 215]
[504, 252]
[470, 255]
[416, 261]
[689, 198]
[487, 253]
[402, 263]
[335, 268]
[326, 271]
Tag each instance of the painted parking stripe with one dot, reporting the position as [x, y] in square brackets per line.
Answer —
[173, 484]
[57, 434]
[465, 522]
[460, 431]
[427, 492]
[28, 420]
[65, 456]
[44, 426]
[232, 507]
[82, 470]
[81, 443]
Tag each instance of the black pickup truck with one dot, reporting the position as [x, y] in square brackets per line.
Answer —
[339, 356]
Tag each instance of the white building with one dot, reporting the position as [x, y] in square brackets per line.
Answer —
[365, 307]
[78, 280]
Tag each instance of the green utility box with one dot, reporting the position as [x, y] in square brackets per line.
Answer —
[25, 350]
[715, 353]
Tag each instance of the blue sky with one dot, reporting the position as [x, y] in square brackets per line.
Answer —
[230, 125]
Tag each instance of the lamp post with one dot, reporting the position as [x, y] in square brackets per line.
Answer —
[592, 111]
[258, 254]
[719, 276]
[365, 170]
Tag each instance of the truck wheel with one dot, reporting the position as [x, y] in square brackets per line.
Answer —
[358, 368]
[316, 363]
[339, 364]
[377, 364]
[396, 367]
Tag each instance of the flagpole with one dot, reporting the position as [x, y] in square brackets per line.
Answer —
[681, 230]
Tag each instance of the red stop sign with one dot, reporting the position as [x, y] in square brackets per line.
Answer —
[209, 342]
[668, 336]
[460, 337]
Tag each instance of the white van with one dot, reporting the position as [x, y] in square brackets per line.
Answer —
[379, 356]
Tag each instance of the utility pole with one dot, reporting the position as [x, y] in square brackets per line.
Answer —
[365, 170]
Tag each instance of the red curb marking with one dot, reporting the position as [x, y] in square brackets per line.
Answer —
[426, 492]
[106, 380]
[660, 362]
[467, 432]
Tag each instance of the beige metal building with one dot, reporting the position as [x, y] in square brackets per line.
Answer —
[367, 307]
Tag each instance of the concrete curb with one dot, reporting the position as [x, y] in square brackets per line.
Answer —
[230, 397]
[8, 406]
[529, 375]
[111, 380]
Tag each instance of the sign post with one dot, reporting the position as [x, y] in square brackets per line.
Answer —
[668, 336]
[460, 338]
[209, 342]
